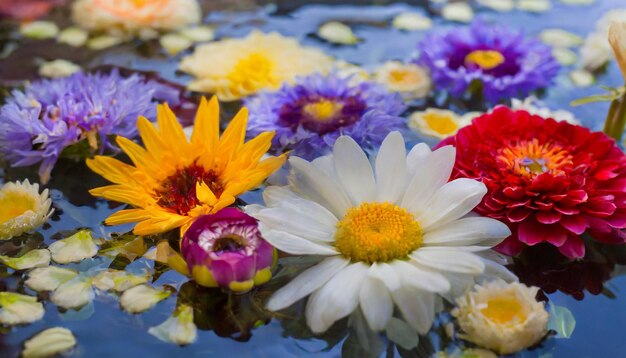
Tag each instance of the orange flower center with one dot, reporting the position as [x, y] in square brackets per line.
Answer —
[178, 191]
[530, 158]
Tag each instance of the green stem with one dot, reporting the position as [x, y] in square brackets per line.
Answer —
[608, 122]
[616, 119]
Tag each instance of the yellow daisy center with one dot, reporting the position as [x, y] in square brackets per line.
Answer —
[253, 73]
[440, 123]
[502, 310]
[14, 204]
[403, 76]
[323, 110]
[485, 59]
[377, 232]
[530, 158]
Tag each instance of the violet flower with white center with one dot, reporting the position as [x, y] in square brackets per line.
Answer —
[39, 123]
[226, 250]
[311, 114]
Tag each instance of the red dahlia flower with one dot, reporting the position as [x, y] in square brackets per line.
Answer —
[549, 181]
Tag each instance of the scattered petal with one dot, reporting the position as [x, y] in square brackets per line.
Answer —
[19, 309]
[582, 78]
[58, 69]
[74, 248]
[562, 321]
[73, 36]
[498, 5]
[49, 278]
[337, 33]
[458, 11]
[141, 298]
[564, 56]
[49, 343]
[412, 21]
[40, 30]
[560, 38]
[198, 33]
[534, 5]
[32, 259]
[578, 2]
[104, 41]
[175, 43]
[119, 281]
[74, 293]
[178, 329]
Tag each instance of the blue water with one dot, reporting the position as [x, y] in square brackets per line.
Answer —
[104, 330]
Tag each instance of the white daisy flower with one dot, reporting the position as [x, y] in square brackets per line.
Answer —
[502, 316]
[394, 234]
[22, 208]
[533, 106]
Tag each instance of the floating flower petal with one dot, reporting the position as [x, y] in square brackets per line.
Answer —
[118, 281]
[141, 298]
[49, 343]
[178, 329]
[49, 278]
[74, 293]
[19, 309]
[31, 259]
[22, 208]
[75, 248]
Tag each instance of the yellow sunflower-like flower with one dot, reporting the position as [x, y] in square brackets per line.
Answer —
[174, 180]
[235, 68]
[22, 208]
[504, 317]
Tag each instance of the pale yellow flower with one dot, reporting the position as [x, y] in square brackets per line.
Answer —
[235, 68]
[617, 39]
[439, 123]
[22, 208]
[410, 80]
[130, 17]
[504, 317]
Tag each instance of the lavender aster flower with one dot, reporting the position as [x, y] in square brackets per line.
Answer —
[226, 250]
[311, 114]
[507, 64]
[37, 124]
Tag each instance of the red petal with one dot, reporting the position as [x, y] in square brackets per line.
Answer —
[574, 223]
[548, 217]
[574, 247]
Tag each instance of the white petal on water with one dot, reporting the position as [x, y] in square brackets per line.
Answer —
[198, 33]
[178, 329]
[73, 36]
[58, 69]
[16, 308]
[175, 43]
[560, 38]
[74, 248]
[534, 5]
[39, 29]
[582, 78]
[119, 281]
[49, 278]
[498, 5]
[32, 259]
[564, 56]
[49, 343]
[103, 41]
[337, 33]
[141, 298]
[74, 293]
[412, 21]
[458, 11]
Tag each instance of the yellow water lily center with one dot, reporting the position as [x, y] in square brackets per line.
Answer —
[173, 180]
[22, 208]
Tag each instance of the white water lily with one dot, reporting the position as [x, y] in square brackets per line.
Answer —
[532, 105]
[31, 259]
[74, 293]
[596, 50]
[412, 21]
[141, 298]
[75, 248]
[393, 235]
[504, 317]
[178, 329]
[119, 281]
[16, 308]
[409, 79]
[337, 33]
[22, 208]
[49, 343]
[49, 278]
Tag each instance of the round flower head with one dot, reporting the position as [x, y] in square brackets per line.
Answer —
[226, 250]
[22, 208]
[502, 60]
[311, 114]
[502, 316]
[130, 17]
[235, 68]
[37, 125]
[410, 80]
[173, 180]
[549, 181]
[395, 234]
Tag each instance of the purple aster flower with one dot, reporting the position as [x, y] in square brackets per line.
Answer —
[506, 63]
[226, 250]
[311, 114]
[37, 124]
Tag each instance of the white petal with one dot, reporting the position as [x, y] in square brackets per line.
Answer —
[307, 282]
[178, 329]
[74, 248]
[274, 195]
[402, 334]
[386, 274]
[326, 164]
[376, 303]
[415, 156]
[336, 299]
[49, 278]
[450, 202]
[296, 245]
[418, 308]
[391, 169]
[31, 259]
[421, 278]
[141, 298]
[49, 343]
[444, 259]
[16, 308]
[432, 172]
[313, 184]
[468, 231]
[74, 293]
[354, 170]
[118, 281]
[308, 226]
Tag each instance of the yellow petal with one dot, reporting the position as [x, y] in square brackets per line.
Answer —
[123, 194]
[111, 169]
[204, 194]
[150, 137]
[171, 131]
[158, 225]
[127, 216]
[234, 134]
[206, 129]
[139, 156]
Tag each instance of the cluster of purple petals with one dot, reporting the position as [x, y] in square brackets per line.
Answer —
[528, 64]
[369, 112]
[38, 123]
[229, 245]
